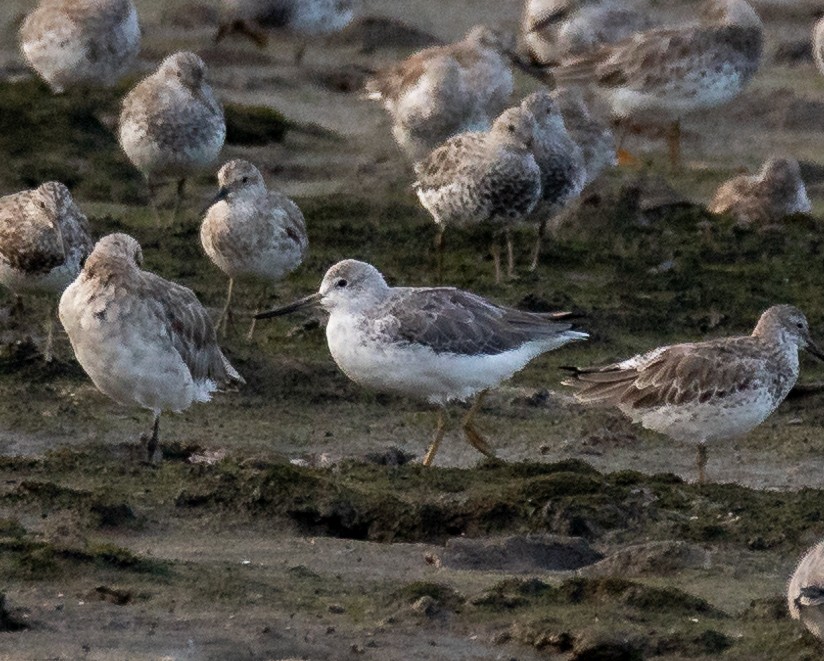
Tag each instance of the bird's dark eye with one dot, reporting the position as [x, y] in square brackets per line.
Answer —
[341, 283]
[511, 127]
[800, 325]
[245, 180]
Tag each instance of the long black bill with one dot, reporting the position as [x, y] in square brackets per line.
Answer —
[300, 304]
[814, 350]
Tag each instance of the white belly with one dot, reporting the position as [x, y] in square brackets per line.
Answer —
[418, 372]
[697, 422]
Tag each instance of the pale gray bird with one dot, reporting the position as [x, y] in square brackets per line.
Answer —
[44, 239]
[442, 91]
[595, 138]
[144, 341]
[702, 392]
[556, 30]
[430, 344]
[251, 232]
[171, 124]
[81, 42]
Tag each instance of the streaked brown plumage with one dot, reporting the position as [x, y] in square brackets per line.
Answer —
[776, 191]
[705, 391]
[444, 90]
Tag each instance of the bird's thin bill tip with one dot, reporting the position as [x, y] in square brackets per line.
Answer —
[300, 304]
[815, 351]
[268, 314]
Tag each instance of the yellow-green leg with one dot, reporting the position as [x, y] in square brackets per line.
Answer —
[440, 429]
[473, 436]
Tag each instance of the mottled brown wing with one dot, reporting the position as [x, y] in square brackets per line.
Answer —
[658, 58]
[190, 329]
[392, 81]
[678, 374]
[30, 241]
[454, 321]
[447, 161]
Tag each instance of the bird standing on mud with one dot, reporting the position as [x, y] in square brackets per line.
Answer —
[252, 232]
[171, 124]
[144, 341]
[432, 344]
[44, 239]
[666, 73]
[701, 392]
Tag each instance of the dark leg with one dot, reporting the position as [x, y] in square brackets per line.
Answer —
[701, 462]
[473, 436]
[300, 51]
[153, 200]
[222, 324]
[620, 129]
[674, 140]
[537, 252]
[510, 255]
[47, 352]
[17, 307]
[495, 249]
[439, 252]
[181, 190]
[151, 442]
[440, 429]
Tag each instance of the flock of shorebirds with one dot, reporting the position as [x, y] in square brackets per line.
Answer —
[145, 341]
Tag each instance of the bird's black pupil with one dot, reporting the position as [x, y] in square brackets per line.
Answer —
[800, 325]
[245, 179]
[342, 283]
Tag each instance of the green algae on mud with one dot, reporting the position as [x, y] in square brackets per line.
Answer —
[71, 138]
[415, 504]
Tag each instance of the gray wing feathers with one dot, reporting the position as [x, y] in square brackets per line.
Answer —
[190, 330]
[454, 321]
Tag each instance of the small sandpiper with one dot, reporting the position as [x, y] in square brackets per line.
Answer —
[251, 232]
[431, 344]
[81, 42]
[144, 341]
[442, 91]
[594, 137]
[44, 239]
[560, 159]
[666, 73]
[489, 178]
[709, 391]
[171, 124]
[764, 198]
[304, 18]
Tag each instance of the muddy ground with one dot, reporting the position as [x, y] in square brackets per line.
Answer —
[287, 520]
